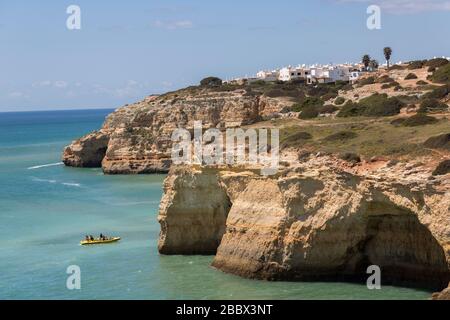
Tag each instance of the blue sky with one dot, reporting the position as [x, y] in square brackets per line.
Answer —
[127, 50]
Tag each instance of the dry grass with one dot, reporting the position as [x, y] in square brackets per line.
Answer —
[373, 137]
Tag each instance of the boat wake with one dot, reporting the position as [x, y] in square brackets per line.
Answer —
[43, 180]
[71, 184]
[68, 184]
[46, 165]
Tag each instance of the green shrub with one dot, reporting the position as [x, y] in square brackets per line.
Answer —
[341, 136]
[339, 101]
[396, 67]
[411, 99]
[312, 101]
[385, 79]
[442, 75]
[350, 109]
[211, 82]
[327, 109]
[339, 84]
[436, 63]
[296, 107]
[410, 76]
[380, 105]
[329, 96]
[390, 85]
[437, 93]
[419, 119]
[439, 142]
[309, 112]
[320, 90]
[442, 168]
[398, 122]
[295, 140]
[350, 157]
[416, 64]
[366, 81]
[258, 83]
[431, 105]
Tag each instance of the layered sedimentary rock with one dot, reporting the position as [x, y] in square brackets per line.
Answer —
[88, 151]
[199, 207]
[312, 221]
[137, 138]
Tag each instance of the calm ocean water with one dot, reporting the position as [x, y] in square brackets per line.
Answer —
[46, 208]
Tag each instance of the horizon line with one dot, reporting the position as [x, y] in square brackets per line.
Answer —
[52, 110]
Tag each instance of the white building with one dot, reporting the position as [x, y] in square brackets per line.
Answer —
[268, 75]
[329, 74]
[291, 73]
[354, 76]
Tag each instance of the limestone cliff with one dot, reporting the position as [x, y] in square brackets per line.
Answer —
[314, 220]
[136, 138]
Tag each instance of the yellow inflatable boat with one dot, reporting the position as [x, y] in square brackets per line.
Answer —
[98, 241]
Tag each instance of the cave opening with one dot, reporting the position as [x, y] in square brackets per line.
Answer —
[406, 251]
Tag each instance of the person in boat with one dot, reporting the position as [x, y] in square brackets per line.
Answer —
[87, 238]
[91, 238]
[102, 237]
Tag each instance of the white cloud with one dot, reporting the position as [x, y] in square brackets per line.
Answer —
[17, 94]
[44, 83]
[48, 83]
[406, 6]
[60, 84]
[173, 25]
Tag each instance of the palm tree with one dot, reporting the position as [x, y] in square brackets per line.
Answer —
[387, 54]
[366, 60]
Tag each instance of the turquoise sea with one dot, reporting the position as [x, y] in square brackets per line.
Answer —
[46, 209]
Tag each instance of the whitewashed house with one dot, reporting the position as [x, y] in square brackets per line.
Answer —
[331, 74]
[291, 73]
[268, 75]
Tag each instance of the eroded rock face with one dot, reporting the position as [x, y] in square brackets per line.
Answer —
[138, 137]
[318, 222]
[192, 213]
[444, 295]
[88, 151]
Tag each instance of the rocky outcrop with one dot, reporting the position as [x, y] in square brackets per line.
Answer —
[137, 138]
[88, 151]
[444, 295]
[313, 221]
[193, 213]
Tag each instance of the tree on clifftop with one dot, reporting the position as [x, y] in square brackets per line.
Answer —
[387, 54]
[366, 61]
[373, 64]
[211, 82]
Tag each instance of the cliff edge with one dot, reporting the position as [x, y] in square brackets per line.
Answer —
[315, 220]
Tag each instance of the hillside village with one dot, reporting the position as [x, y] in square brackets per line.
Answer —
[317, 73]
